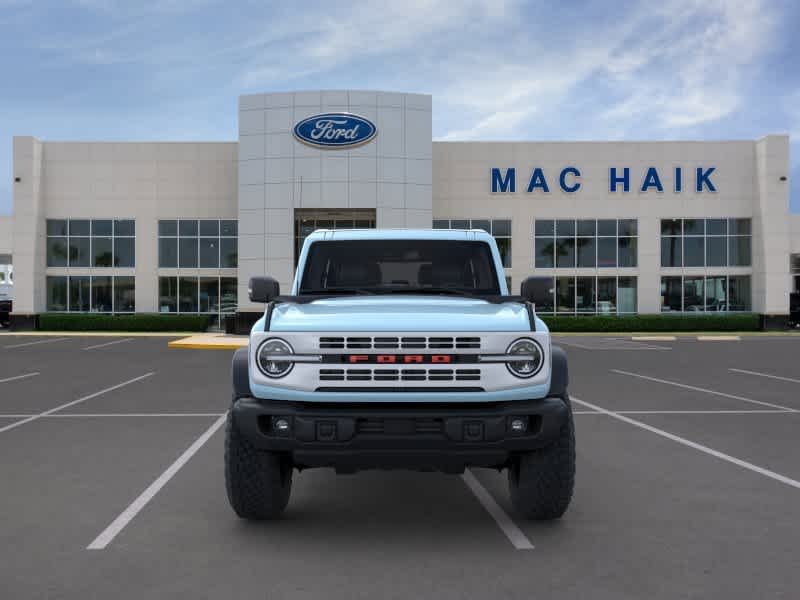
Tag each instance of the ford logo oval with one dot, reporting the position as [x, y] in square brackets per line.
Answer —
[335, 130]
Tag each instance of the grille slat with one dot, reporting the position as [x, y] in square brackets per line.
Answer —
[399, 374]
[395, 343]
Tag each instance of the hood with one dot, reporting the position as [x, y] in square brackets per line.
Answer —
[401, 313]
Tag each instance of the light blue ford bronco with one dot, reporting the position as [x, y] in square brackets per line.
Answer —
[399, 349]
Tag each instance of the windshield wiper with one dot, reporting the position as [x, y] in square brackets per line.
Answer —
[335, 291]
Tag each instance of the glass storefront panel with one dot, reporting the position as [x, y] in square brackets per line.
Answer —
[671, 252]
[565, 294]
[79, 252]
[671, 291]
[565, 253]
[124, 252]
[79, 294]
[716, 293]
[56, 293]
[102, 252]
[187, 295]
[187, 255]
[168, 253]
[167, 294]
[57, 252]
[209, 294]
[124, 294]
[627, 295]
[606, 252]
[693, 252]
[716, 251]
[102, 294]
[228, 294]
[739, 293]
[739, 251]
[545, 252]
[693, 294]
[587, 252]
[229, 253]
[627, 248]
[209, 253]
[607, 295]
[585, 300]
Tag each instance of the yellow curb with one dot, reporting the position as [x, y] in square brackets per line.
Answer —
[209, 342]
[718, 338]
[654, 338]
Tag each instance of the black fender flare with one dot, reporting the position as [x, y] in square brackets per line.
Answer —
[241, 379]
[559, 375]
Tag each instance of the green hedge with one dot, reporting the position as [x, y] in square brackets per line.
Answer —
[134, 322]
[730, 322]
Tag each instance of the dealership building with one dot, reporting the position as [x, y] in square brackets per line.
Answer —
[180, 227]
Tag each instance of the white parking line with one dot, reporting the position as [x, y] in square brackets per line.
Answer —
[514, 534]
[778, 377]
[705, 449]
[15, 378]
[704, 390]
[754, 411]
[73, 403]
[118, 524]
[50, 341]
[561, 342]
[108, 344]
[105, 415]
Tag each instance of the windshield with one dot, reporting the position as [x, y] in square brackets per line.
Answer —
[400, 266]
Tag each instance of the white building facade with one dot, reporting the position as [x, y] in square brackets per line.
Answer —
[621, 227]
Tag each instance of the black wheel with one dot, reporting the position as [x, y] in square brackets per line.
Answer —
[258, 482]
[541, 482]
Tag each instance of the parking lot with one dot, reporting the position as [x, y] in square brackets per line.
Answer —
[111, 486]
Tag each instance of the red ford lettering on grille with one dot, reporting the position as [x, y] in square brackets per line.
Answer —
[390, 359]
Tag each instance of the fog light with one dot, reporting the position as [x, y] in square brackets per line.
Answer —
[519, 425]
[281, 425]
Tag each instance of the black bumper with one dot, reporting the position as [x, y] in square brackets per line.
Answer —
[445, 437]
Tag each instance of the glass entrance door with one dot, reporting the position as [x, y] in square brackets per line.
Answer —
[306, 220]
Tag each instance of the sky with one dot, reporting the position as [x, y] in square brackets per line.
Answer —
[497, 70]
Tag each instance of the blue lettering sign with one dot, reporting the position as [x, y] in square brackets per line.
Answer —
[538, 181]
[703, 179]
[625, 180]
[652, 180]
[562, 180]
[678, 180]
[507, 184]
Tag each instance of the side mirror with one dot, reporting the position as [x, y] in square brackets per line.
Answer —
[263, 289]
[538, 290]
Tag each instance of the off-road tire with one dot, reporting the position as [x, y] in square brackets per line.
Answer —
[258, 482]
[540, 482]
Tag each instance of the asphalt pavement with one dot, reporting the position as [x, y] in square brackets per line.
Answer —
[688, 486]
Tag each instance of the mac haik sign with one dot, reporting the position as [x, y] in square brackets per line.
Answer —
[620, 179]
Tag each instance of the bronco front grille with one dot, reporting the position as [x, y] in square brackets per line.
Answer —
[381, 374]
[398, 343]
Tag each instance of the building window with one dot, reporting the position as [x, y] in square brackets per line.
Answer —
[84, 293]
[307, 220]
[794, 267]
[713, 293]
[193, 243]
[585, 243]
[214, 296]
[591, 296]
[91, 243]
[706, 242]
[500, 229]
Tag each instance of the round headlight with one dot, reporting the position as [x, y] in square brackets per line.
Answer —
[270, 367]
[533, 359]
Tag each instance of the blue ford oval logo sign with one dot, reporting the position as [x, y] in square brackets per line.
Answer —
[335, 130]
